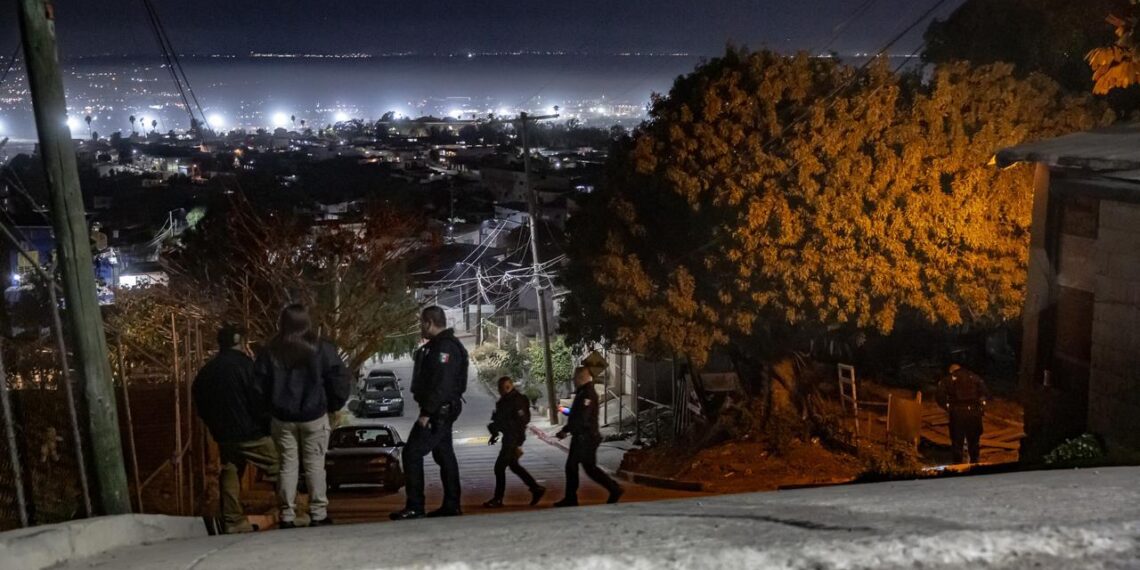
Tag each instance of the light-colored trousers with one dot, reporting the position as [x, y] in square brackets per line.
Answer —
[302, 442]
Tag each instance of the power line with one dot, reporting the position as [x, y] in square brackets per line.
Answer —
[11, 63]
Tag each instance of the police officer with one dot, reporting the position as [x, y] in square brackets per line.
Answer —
[438, 382]
[511, 416]
[963, 394]
[583, 426]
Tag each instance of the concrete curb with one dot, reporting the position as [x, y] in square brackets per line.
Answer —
[45, 546]
[661, 482]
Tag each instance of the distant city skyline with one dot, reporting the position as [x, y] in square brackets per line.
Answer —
[459, 26]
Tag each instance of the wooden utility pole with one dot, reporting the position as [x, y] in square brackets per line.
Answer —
[37, 24]
[532, 201]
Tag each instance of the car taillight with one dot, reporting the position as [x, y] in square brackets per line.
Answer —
[380, 460]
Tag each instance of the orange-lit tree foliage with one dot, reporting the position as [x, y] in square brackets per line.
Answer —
[770, 198]
[1118, 66]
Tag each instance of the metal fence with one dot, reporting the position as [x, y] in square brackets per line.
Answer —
[168, 456]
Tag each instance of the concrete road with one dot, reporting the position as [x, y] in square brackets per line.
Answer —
[476, 462]
[1055, 519]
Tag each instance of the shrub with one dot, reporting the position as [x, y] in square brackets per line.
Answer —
[1077, 451]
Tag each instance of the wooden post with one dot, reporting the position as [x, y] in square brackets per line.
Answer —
[190, 359]
[124, 377]
[176, 459]
[37, 23]
[13, 450]
[69, 393]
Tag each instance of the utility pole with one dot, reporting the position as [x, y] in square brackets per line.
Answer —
[478, 307]
[37, 24]
[532, 201]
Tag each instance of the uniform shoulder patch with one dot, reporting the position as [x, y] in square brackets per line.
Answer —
[444, 358]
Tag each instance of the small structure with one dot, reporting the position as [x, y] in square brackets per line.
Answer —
[1080, 360]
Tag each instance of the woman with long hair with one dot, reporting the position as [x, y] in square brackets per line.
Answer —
[305, 380]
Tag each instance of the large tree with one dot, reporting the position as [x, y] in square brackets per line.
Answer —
[770, 199]
[1044, 36]
[243, 264]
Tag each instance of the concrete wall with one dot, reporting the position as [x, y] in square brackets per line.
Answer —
[1114, 386]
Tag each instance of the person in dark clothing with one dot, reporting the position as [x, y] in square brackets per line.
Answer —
[439, 379]
[511, 416]
[304, 380]
[583, 426]
[232, 406]
[963, 394]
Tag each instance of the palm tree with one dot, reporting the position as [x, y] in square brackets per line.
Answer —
[293, 118]
[132, 119]
[87, 119]
[153, 124]
[302, 124]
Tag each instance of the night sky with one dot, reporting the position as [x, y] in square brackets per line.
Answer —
[699, 27]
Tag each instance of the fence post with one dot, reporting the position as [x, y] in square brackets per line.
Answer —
[65, 369]
[123, 375]
[176, 459]
[191, 360]
[13, 451]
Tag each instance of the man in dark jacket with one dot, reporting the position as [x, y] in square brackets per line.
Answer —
[439, 379]
[963, 394]
[232, 406]
[511, 416]
[583, 426]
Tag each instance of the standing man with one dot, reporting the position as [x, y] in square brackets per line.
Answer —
[963, 394]
[232, 406]
[438, 382]
[583, 426]
[511, 416]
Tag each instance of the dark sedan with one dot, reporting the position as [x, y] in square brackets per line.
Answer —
[364, 454]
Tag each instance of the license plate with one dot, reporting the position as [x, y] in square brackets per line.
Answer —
[383, 408]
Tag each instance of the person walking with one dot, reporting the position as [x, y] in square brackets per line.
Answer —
[510, 418]
[439, 379]
[305, 380]
[583, 426]
[963, 394]
[233, 408]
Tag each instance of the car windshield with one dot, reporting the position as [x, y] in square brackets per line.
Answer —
[382, 388]
[362, 437]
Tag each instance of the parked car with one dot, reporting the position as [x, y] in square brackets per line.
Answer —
[380, 396]
[364, 454]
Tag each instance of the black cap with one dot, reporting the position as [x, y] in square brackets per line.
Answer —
[230, 335]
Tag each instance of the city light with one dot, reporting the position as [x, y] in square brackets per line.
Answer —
[455, 113]
[280, 119]
[340, 116]
[73, 123]
[216, 120]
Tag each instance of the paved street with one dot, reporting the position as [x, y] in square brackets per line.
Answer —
[476, 462]
[1048, 519]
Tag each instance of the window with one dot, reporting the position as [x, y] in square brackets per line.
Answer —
[362, 437]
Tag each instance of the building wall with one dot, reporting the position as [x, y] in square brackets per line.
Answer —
[1114, 384]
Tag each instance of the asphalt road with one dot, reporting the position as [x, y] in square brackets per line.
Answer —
[476, 461]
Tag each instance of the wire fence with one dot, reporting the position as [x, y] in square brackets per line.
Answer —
[169, 459]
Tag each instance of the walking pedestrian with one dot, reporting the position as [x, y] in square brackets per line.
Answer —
[510, 418]
[305, 380]
[963, 394]
[439, 379]
[583, 426]
[232, 405]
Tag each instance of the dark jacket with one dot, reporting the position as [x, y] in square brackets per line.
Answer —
[962, 390]
[228, 399]
[511, 416]
[305, 392]
[583, 421]
[440, 374]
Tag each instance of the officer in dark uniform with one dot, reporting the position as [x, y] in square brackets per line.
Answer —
[963, 394]
[438, 382]
[583, 425]
[511, 416]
